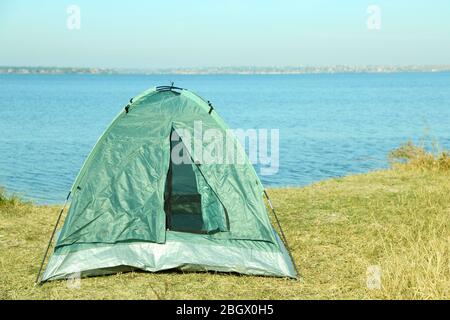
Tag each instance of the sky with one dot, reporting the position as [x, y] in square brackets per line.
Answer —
[219, 33]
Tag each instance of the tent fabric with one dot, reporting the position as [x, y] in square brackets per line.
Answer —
[182, 251]
[129, 197]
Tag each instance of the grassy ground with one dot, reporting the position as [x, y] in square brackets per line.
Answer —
[397, 220]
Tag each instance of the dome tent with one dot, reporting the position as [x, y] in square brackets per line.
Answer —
[133, 207]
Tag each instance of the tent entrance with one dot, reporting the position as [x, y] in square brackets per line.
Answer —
[182, 201]
[190, 203]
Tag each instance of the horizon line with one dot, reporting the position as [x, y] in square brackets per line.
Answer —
[204, 70]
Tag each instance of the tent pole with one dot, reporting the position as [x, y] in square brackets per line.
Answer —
[281, 231]
[38, 281]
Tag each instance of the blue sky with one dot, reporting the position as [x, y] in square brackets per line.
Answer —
[193, 33]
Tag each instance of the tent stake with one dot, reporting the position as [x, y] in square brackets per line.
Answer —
[38, 281]
[281, 231]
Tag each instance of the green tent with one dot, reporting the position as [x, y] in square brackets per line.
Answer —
[134, 207]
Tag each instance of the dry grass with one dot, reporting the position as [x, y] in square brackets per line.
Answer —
[419, 157]
[396, 219]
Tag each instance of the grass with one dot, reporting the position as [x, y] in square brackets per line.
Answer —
[420, 157]
[397, 220]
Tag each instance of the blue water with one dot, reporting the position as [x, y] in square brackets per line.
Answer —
[330, 125]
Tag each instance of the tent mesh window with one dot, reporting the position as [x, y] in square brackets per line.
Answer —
[183, 203]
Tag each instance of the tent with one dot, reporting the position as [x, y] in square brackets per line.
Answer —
[134, 207]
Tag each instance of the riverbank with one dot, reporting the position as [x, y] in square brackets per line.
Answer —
[342, 233]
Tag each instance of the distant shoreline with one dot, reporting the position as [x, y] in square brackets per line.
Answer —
[229, 70]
